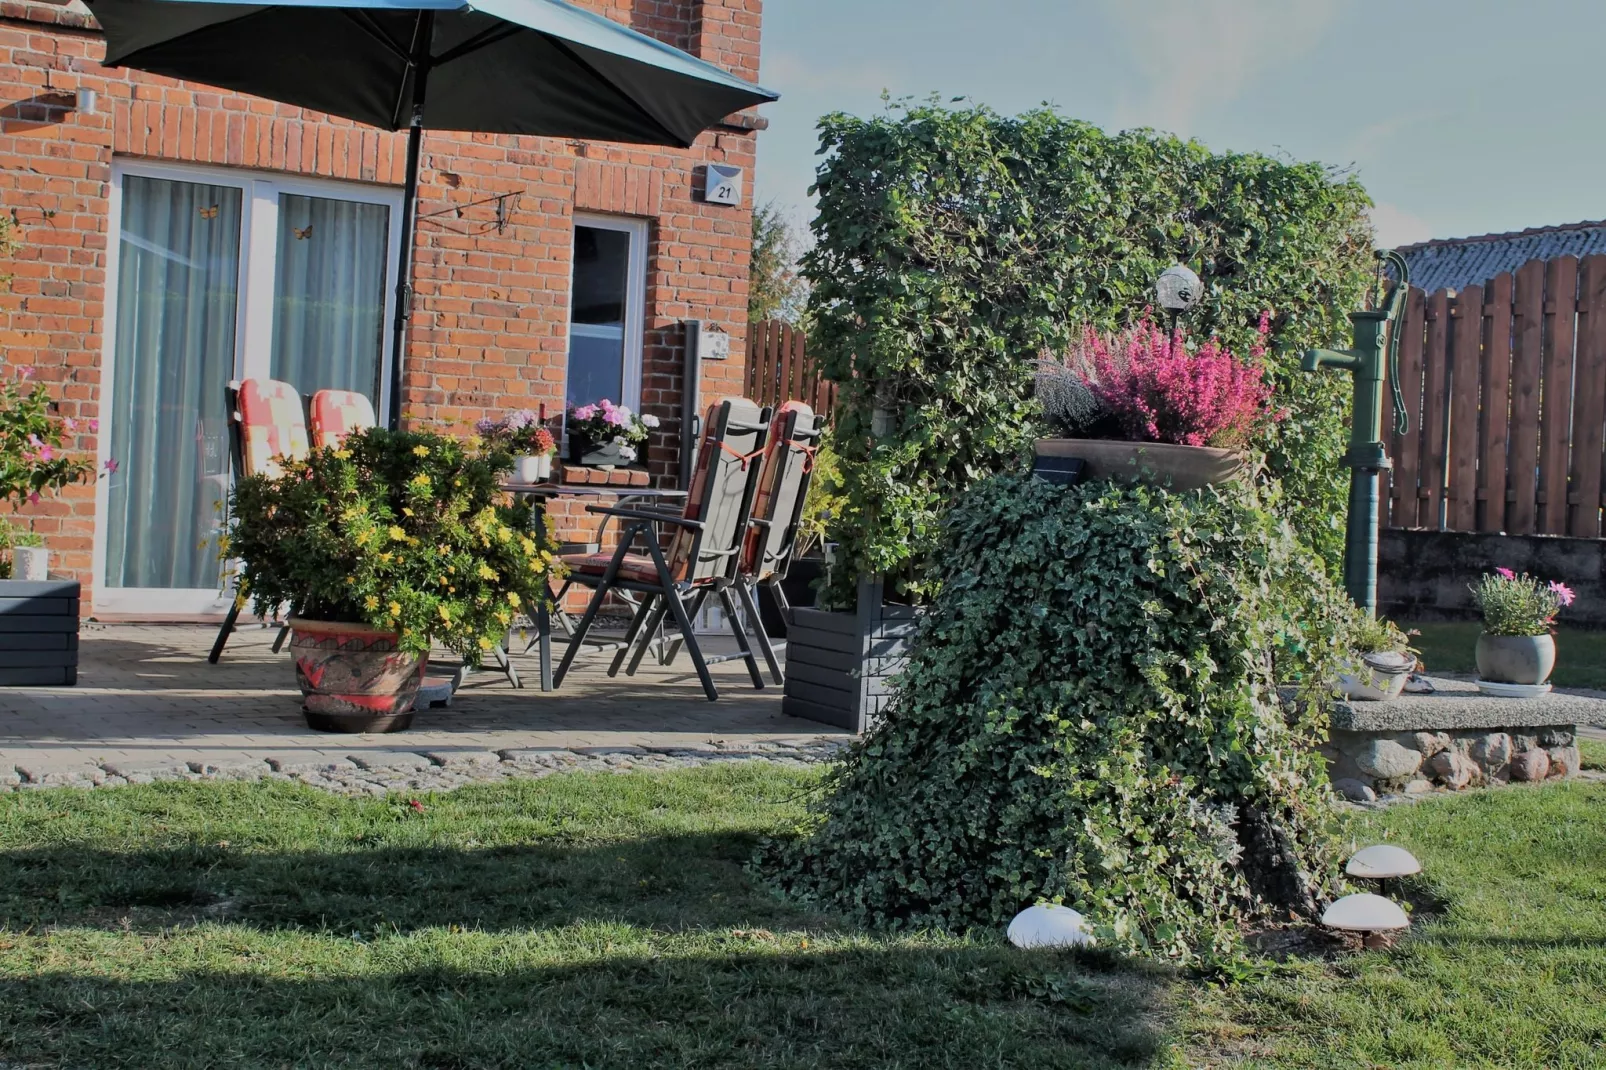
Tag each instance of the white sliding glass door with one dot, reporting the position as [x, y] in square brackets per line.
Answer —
[219, 275]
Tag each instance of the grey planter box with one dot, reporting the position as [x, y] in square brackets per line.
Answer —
[839, 666]
[38, 633]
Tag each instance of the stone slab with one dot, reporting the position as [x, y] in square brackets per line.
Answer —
[1457, 704]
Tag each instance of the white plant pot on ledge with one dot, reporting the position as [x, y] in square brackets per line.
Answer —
[31, 563]
[1375, 677]
[529, 468]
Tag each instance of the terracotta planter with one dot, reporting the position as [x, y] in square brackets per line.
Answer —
[1161, 463]
[1516, 659]
[352, 677]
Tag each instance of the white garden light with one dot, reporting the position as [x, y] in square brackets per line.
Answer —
[1178, 289]
[1376, 919]
[1048, 925]
[1382, 862]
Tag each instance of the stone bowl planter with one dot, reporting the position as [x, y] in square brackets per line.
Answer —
[1516, 659]
[583, 451]
[1376, 677]
[1161, 463]
[353, 678]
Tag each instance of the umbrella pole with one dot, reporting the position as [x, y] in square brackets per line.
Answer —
[423, 31]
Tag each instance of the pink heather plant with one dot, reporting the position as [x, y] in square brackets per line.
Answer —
[1157, 390]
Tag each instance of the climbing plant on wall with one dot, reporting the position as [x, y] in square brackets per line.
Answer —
[952, 244]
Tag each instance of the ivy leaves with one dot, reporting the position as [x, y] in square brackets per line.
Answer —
[1091, 704]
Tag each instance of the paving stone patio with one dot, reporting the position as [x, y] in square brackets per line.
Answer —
[148, 706]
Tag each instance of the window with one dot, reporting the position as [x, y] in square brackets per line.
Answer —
[607, 295]
[220, 275]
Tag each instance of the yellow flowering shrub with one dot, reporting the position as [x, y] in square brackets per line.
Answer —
[313, 539]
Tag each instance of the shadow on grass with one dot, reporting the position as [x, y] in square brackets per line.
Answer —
[659, 951]
[887, 1007]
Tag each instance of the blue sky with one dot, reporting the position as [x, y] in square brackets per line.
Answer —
[1462, 117]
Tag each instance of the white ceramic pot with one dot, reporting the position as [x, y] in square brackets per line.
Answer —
[1375, 677]
[528, 468]
[30, 563]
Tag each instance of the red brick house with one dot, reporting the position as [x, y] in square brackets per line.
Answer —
[176, 236]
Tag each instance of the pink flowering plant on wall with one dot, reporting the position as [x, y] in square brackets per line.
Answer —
[35, 452]
[1146, 384]
[606, 422]
[1518, 604]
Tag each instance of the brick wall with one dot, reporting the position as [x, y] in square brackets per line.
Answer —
[490, 313]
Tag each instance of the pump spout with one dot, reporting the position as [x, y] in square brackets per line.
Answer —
[1315, 359]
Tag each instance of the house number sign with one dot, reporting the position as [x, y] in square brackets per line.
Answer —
[722, 184]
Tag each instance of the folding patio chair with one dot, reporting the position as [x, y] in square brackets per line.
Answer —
[783, 486]
[266, 422]
[704, 544]
[336, 414]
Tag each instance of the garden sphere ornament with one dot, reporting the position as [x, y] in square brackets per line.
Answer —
[1049, 925]
[1178, 289]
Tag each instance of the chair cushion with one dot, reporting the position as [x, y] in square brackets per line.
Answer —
[638, 567]
[768, 502]
[337, 413]
[272, 426]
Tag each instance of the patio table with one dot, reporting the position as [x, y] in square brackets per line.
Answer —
[540, 494]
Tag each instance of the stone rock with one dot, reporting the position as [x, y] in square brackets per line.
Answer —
[1430, 743]
[1530, 765]
[1454, 770]
[603, 752]
[312, 770]
[1564, 761]
[1354, 790]
[1557, 737]
[239, 769]
[391, 760]
[1491, 751]
[148, 772]
[1419, 786]
[461, 759]
[1387, 760]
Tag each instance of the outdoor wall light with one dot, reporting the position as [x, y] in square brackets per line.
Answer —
[1178, 289]
[1048, 925]
[1376, 919]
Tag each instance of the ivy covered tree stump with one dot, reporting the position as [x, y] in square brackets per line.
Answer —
[1090, 715]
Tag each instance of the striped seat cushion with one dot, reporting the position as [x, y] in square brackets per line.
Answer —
[336, 414]
[272, 426]
[638, 567]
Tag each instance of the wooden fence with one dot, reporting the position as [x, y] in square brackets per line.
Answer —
[1505, 386]
[779, 368]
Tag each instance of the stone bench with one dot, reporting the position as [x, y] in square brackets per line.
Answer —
[1452, 739]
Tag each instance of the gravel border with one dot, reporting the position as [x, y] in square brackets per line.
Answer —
[382, 772]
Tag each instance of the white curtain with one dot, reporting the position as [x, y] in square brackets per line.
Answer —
[178, 276]
[329, 294]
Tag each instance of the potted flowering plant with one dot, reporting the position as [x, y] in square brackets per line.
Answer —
[606, 435]
[1380, 662]
[1141, 403]
[392, 541]
[1517, 646]
[521, 434]
[36, 458]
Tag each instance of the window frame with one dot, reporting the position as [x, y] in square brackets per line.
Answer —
[635, 304]
[253, 334]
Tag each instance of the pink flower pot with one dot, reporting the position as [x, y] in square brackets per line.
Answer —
[353, 677]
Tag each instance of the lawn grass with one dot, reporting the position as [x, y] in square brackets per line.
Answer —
[1512, 973]
[609, 921]
[1448, 647]
[575, 921]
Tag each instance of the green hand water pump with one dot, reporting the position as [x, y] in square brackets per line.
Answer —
[1376, 329]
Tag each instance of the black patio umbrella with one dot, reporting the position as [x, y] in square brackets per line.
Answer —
[540, 67]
